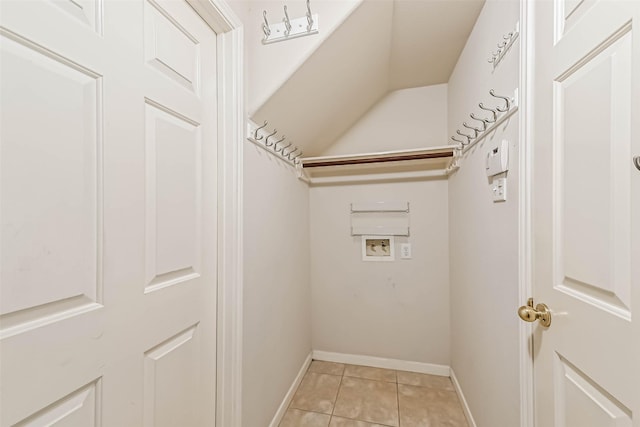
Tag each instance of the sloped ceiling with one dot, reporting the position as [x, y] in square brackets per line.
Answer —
[384, 45]
[427, 39]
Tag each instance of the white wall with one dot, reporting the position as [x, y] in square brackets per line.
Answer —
[397, 310]
[400, 309]
[406, 118]
[484, 235]
[276, 311]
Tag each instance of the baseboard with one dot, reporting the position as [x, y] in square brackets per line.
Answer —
[463, 401]
[292, 390]
[379, 362]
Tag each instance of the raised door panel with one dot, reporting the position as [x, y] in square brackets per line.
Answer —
[50, 183]
[171, 375]
[82, 408]
[174, 183]
[87, 12]
[592, 182]
[170, 48]
[568, 14]
[582, 402]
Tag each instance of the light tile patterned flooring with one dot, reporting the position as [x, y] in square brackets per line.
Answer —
[337, 395]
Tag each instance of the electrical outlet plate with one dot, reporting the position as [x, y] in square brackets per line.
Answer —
[405, 251]
[499, 189]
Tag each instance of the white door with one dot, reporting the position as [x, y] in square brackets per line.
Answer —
[586, 212]
[107, 214]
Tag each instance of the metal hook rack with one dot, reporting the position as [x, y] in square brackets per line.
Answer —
[261, 137]
[499, 114]
[290, 28]
[503, 47]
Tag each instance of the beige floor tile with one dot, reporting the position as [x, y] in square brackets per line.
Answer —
[424, 380]
[322, 367]
[317, 392]
[426, 407]
[366, 400]
[377, 374]
[345, 422]
[297, 418]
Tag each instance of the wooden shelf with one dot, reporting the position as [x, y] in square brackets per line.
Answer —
[424, 162]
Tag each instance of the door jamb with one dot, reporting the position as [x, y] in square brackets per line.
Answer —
[230, 80]
[525, 252]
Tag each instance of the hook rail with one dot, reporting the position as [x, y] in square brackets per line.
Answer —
[499, 114]
[268, 141]
[503, 46]
[290, 28]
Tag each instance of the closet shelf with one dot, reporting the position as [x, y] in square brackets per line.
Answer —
[417, 163]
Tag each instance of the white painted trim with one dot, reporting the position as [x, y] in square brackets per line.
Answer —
[527, 409]
[217, 14]
[379, 362]
[292, 391]
[230, 74]
[463, 400]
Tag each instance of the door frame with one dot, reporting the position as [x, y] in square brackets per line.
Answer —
[230, 80]
[525, 235]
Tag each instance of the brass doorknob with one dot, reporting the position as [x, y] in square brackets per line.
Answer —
[540, 312]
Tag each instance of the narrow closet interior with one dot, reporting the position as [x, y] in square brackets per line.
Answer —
[381, 196]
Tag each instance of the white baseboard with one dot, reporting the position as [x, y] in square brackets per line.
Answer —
[292, 390]
[379, 362]
[463, 401]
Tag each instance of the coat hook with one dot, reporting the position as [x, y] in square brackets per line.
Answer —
[275, 144]
[266, 141]
[495, 114]
[476, 130]
[255, 134]
[484, 124]
[309, 16]
[287, 22]
[459, 140]
[636, 162]
[291, 152]
[287, 154]
[265, 25]
[469, 137]
[281, 149]
[484, 121]
[506, 100]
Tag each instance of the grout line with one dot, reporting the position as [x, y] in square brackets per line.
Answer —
[337, 394]
[398, 399]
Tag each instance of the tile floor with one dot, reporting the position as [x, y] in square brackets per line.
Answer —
[338, 395]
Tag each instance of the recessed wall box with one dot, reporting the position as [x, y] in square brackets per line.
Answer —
[498, 159]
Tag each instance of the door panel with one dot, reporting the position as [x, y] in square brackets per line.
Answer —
[80, 408]
[582, 402]
[174, 182]
[592, 178]
[181, 62]
[585, 218]
[52, 96]
[170, 378]
[87, 12]
[568, 13]
[107, 214]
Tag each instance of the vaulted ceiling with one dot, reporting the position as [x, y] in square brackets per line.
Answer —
[383, 45]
